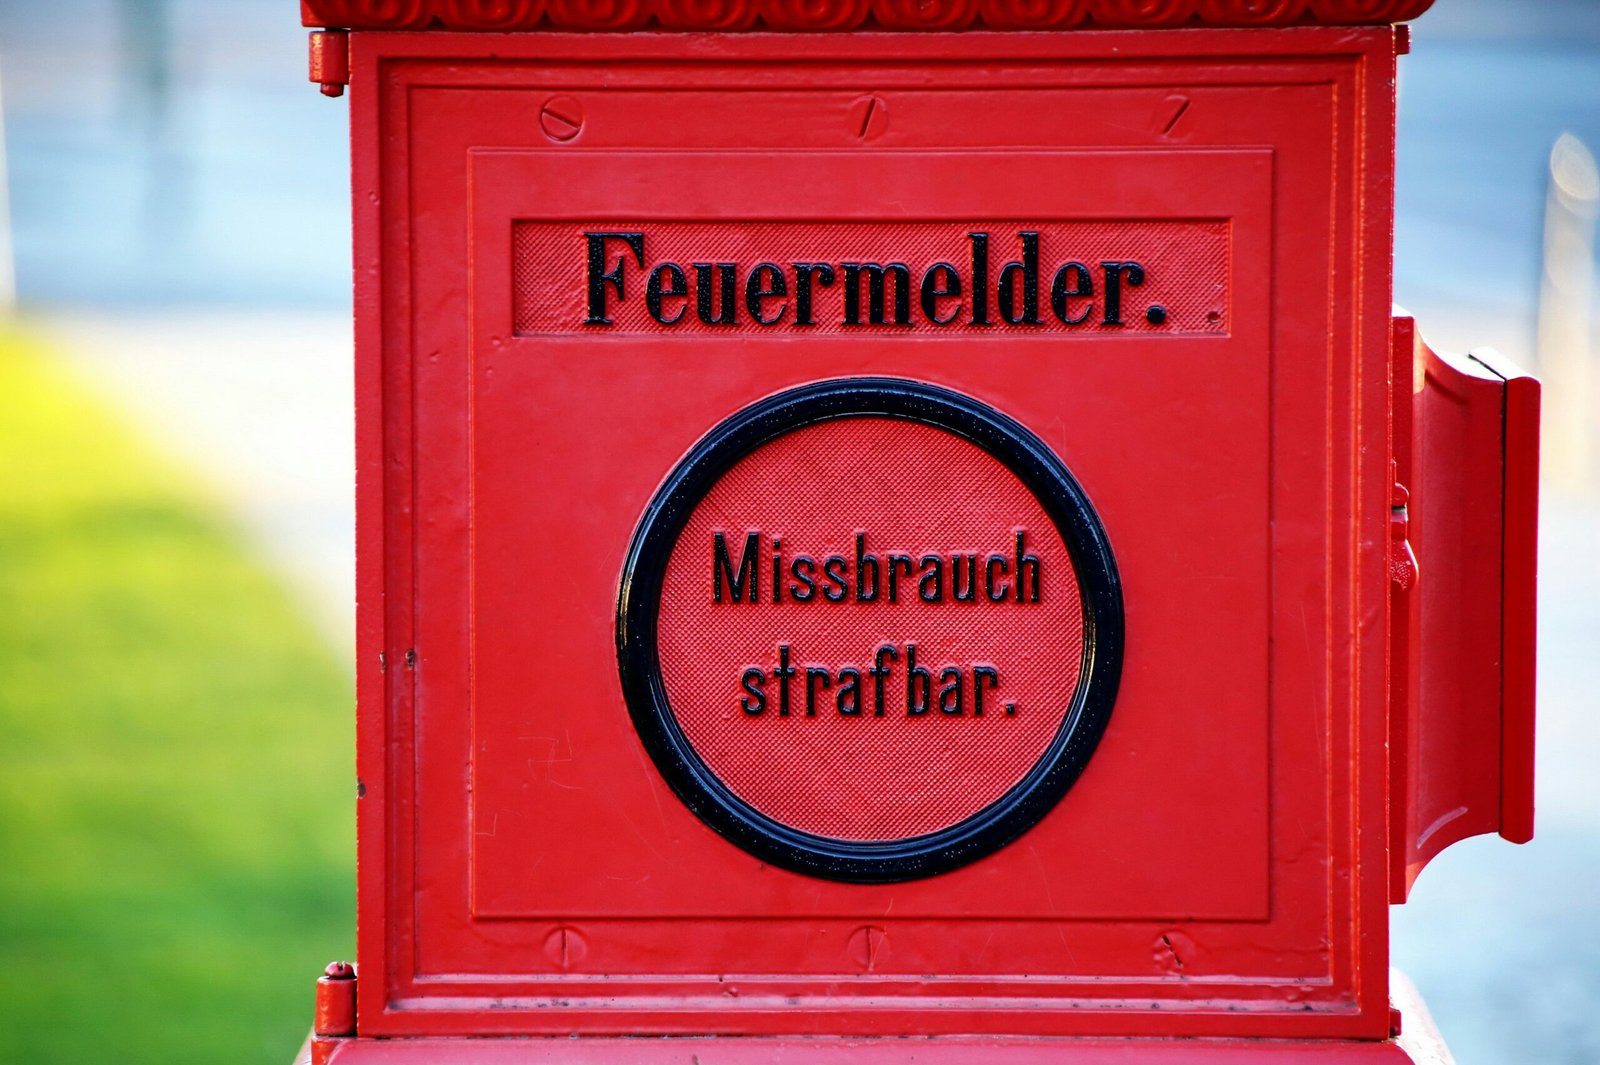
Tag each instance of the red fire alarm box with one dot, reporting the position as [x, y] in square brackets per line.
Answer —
[869, 534]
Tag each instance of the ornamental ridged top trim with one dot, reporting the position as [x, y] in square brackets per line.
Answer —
[840, 15]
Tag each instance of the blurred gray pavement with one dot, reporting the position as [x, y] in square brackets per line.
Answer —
[191, 249]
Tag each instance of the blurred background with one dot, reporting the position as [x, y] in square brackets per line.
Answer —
[176, 844]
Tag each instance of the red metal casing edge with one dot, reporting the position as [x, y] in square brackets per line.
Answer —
[1467, 450]
[401, 218]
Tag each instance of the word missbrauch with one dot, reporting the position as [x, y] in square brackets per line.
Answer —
[869, 689]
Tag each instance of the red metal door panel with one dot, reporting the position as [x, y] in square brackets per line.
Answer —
[541, 876]
[655, 395]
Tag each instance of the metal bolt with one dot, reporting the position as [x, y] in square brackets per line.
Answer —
[869, 117]
[1171, 109]
[564, 947]
[340, 970]
[561, 118]
[864, 946]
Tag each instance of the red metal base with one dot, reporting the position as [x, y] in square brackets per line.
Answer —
[1418, 1044]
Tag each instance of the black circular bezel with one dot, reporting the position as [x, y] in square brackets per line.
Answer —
[874, 861]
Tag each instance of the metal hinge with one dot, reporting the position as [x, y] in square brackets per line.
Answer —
[335, 1017]
[1402, 559]
[330, 60]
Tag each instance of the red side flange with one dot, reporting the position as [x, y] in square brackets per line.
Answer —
[1467, 453]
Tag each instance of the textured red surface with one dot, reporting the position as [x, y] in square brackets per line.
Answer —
[845, 14]
[1186, 264]
[914, 489]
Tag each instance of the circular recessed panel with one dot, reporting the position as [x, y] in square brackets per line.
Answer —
[870, 629]
[886, 672]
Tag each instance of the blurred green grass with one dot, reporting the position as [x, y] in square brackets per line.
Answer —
[176, 769]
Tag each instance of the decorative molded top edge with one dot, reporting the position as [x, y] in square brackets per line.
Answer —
[844, 15]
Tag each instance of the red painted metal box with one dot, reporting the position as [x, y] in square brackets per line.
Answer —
[906, 534]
